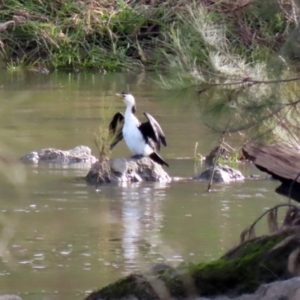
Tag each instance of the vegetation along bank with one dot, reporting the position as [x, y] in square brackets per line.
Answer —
[130, 34]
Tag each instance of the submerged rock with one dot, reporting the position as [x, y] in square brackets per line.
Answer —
[221, 174]
[127, 170]
[79, 154]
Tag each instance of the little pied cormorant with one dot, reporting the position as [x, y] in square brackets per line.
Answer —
[142, 139]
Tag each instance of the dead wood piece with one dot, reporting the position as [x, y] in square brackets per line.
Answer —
[4, 25]
[279, 160]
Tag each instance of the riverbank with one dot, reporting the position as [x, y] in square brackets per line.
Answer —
[121, 35]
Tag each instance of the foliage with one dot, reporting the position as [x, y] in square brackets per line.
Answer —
[104, 137]
[244, 89]
[72, 34]
[127, 34]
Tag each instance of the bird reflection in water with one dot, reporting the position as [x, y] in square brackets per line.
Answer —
[142, 218]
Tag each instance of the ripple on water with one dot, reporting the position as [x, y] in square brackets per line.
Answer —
[25, 262]
[65, 252]
[4, 273]
[39, 256]
[38, 267]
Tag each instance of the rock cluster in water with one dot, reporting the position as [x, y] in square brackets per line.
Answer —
[79, 154]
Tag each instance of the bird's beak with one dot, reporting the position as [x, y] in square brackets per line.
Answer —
[119, 95]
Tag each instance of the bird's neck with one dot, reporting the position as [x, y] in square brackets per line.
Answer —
[130, 110]
[130, 118]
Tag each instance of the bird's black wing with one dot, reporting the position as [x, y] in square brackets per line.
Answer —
[117, 118]
[115, 128]
[152, 130]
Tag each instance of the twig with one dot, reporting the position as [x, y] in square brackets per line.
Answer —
[250, 81]
[291, 187]
[216, 160]
[270, 209]
[253, 123]
[294, 14]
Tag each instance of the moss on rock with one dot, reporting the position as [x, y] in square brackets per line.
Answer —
[241, 270]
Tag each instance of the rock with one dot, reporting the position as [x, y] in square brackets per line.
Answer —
[79, 154]
[278, 290]
[126, 170]
[221, 174]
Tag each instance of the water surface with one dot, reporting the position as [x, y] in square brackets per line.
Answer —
[60, 238]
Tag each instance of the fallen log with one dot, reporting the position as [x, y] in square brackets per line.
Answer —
[279, 160]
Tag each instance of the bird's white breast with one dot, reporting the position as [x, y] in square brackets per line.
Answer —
[134, 138]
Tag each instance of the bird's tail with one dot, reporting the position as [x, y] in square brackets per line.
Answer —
[158, 159]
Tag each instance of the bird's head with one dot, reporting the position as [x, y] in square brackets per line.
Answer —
[128, 100]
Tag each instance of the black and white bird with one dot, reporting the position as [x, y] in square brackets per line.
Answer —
[142, 139]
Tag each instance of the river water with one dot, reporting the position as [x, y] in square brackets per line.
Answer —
[59, 237]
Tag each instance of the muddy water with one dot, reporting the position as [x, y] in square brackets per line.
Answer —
[60, 238]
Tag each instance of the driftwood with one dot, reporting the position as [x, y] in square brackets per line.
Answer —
[3, 26]
[281, 161]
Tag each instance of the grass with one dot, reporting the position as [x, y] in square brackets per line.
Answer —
[71, 34]
[131, 34]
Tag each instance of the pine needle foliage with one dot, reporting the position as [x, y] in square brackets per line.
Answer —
[250, 99]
